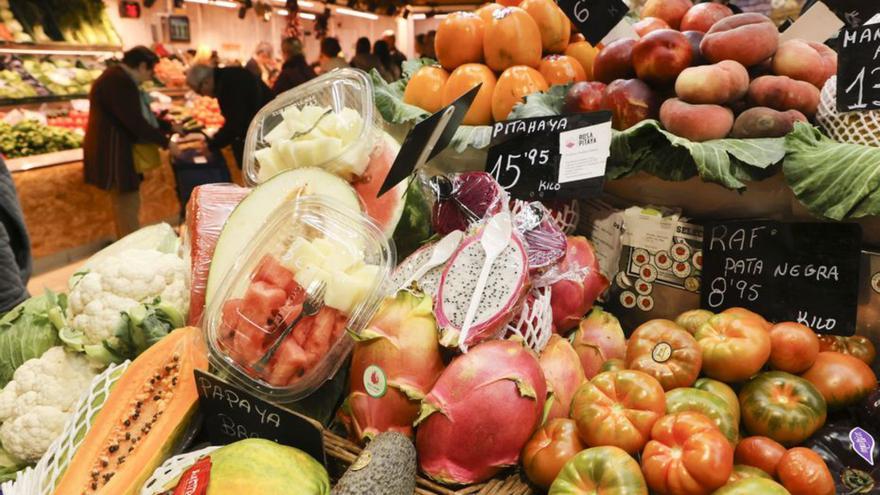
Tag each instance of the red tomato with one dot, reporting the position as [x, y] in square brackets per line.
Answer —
[618, 408]
[549, 449]
[745, 313]
[760, 452]
[734, 348]
[666, 351]
[803, 472]
[842, 379]
[687, 455]
[856, 346]
[793, 347]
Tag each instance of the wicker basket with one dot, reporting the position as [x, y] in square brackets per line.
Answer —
[342, 453]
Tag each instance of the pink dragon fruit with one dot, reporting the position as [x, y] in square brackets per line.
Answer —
[427, 283]
[564, 374]
[580, 284]
[545, 243]
[598, 338]
[480, 413]
[507, 286]
[395, 362]
[464, 199]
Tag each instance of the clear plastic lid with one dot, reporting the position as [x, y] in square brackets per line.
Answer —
[304, 244]
[328, 122]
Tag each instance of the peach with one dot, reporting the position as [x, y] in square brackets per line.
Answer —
[702, 16]
[763, 122]
[747, 38]
[801, 60]
[671, 11]
[614, 61]
[695, 38]
[649, 24]
[718, 84]
[784, 93]
[630, 101]
[585, 97]
[696, 122]
[661, 55]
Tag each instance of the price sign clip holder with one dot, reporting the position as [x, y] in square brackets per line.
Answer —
[428, 138]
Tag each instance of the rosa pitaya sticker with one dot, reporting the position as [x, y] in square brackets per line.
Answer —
[863, 444]
[375, 382]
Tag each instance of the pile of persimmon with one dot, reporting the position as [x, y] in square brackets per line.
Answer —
[513, 48]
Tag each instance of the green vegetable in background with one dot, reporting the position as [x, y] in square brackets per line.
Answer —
[28, 330]
[9, 466]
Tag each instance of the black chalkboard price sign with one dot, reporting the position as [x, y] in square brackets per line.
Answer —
[546, 158]
[232, 414]
[594, 18]
[858, 69]
[804, 272]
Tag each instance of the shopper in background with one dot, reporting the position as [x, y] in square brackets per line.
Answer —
[396, 56]
[331, 55]
[15, 246]
[363, 59]
[119, 118]
[240, 95]
[429, 45]
[389, 70]
[295, 70]
[262, 63]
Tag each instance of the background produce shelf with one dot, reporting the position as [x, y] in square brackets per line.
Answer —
[53, 46]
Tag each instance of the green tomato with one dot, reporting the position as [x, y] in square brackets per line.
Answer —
[706, 403]
[722, 390]
[752, 486]
[782, 406]
[605, 470]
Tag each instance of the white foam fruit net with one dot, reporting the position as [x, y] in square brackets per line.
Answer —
[534, 323]
[849, 127]
[42, 478]
[171, 469]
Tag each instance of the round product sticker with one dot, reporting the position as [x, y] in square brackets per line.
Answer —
[648, 273]
[362, 461]
[622, 280]
[692, 284]
[644, 288]
[662, 260]
[875, 282]
[681, 269]
[627, 299]
[661, 352]
[681, 251]
[697, 260]
[646, 303]
[375, 382]
[640, 256]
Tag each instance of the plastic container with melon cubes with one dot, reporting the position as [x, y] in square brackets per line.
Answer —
[342, 141]
[303, 241]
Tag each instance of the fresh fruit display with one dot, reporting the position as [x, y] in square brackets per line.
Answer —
[851, 469]
[600, 470]
[801, 471]
[386, 465]
[62, 76]
[721, 390]
[597, 340]
[549, 449]
[759, 452]
[733, 348]
[843, 380]
[30, 137]
[171, 72]
[564, 374]
[782, 406]
[709, 405]
[72, 120]
[665, 351]
[856, 346]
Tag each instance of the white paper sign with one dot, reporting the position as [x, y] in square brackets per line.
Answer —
[584, 152]
[817, 24]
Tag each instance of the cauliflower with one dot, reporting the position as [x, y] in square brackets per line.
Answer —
[36, 404]
[122, 281]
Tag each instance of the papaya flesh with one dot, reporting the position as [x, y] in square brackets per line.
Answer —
[142, 419]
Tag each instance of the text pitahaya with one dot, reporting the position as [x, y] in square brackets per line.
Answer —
[464, 199]
[564, 374]
[545, 243]
[480, 413]
[507, 285]
[599, 337]
[400, 343]
[580, 284]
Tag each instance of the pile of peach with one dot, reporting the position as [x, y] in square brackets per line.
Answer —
[720, 74]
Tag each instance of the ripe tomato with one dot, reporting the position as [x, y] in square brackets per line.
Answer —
[793, 347]
[752, 486]
[760, 452]
[803, 472]
[665, 351]
[693, 319]
[722, 390]
[782, 406]
[741, 472]
[600, 470]
[706, 403]
[549, 449]
[842, 379]
[687, 455]
[856, 346]
[745, 313]
[734, 348]
[618, 408]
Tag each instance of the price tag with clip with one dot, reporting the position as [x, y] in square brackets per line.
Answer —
[594, 18]
[858, 69]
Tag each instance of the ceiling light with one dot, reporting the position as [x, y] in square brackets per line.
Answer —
[357, 13]
[306, 4]
[282, 12]
[418, 17]
[306, 15]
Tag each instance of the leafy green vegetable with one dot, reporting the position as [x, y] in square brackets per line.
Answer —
[543, 104]
[29, 330]
[9, 466]
[834, 180]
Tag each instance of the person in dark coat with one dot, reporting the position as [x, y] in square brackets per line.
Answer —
[363, 59]
[119, 118]
[15, 247]
[295, 70]
[240, 95]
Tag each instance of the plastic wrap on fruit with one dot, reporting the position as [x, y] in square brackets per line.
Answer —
[545, 243]
[462, 200]
[565, 213]
[206, 213]
[575, 283]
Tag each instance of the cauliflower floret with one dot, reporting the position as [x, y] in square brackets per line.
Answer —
[35, 405]
[28, 437]
[121, 282]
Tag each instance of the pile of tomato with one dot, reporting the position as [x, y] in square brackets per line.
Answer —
[709, 404]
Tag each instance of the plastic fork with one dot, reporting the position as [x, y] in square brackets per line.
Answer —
[297, 135]
[439, 255]
[311, 306]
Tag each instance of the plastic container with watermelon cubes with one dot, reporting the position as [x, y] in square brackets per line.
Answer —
[339, 142]
[305, 240]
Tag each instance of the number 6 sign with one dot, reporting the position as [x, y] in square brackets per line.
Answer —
[594, 18]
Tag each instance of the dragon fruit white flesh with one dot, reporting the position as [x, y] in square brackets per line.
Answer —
[507, 285]
[427, 283]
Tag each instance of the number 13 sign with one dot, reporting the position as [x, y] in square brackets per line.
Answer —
[858, 70]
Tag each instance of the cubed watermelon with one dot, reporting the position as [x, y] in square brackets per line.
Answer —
[271, 271]
[288, 364]
[261, 303]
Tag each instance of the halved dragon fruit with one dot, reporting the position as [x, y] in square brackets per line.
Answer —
[464, 199]
[508, 284]
[545, 243]
[430, 281]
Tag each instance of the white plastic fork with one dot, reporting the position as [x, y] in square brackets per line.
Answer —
[443, 249]
[495, 237]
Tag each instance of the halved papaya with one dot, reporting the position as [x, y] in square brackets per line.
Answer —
[141, 421]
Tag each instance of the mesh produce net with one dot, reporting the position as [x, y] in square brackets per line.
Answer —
[534, 323]
[849, 127]
[171, 469]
